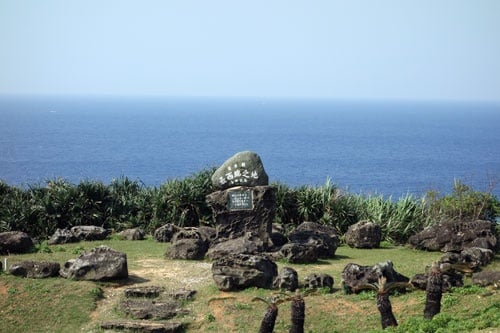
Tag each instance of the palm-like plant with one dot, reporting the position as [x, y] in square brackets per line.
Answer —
[270, 315]
[298, 313]
[434, 292]
[383, 288]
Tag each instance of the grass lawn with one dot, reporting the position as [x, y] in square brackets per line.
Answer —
[60, 305]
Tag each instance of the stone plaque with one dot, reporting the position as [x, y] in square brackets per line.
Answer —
[240, 200]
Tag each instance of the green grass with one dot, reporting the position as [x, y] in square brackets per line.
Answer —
[59, 305]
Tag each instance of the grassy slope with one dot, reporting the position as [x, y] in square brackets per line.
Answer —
[59, 305]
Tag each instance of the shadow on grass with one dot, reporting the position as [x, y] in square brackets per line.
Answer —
[132, 279]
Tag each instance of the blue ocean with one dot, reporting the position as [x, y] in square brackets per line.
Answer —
[388, 148]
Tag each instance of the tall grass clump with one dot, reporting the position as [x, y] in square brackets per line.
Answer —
[182, 201]
[131, 204]
[286, 205]
[398, 219]
[124, 203]
[315, 203]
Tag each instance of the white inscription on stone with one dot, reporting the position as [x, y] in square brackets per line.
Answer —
[238, 175]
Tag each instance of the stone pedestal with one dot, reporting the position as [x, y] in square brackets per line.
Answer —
[243, 209]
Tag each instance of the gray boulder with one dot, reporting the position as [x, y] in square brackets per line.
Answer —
[35, 270]
[287, 279]
[363, 235]
[242, 169]
[144, 291]
[182, 294]
[297, 253]
[15, 242]
[487, 278]
[89, 232]
[451, 279]
[316, 227]
[62, 236]
[321, 280]
[454, 236]
[472, 257]
[241, 271]
[165, 233]
[149, 309]
[248, 244]
[321, 238]
[355, 276]
[191, 233]
[142, 326]
[131, 234]
[187, 249]
[99, 264]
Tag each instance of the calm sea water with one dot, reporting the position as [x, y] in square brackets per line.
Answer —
[385, 148]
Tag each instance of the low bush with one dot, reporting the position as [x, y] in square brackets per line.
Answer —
[40, 209]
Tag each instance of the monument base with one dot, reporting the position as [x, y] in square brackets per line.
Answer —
[242, 209]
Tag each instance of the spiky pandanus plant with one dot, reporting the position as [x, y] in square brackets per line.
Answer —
[434, 292]
[270, 315]
[383, 288]
[298, 313]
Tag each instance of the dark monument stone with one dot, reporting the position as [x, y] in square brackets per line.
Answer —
[244, 202]
[243, 169]
[234, 223]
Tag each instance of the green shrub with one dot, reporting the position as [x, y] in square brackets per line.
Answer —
[40, 209]
[182, 201]
[463, 203]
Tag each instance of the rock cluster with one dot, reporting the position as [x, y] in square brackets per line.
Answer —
[454, 236]
[78, 233]
[149, 309]
[355, 277]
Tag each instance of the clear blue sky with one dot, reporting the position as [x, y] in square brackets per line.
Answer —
[384, 49]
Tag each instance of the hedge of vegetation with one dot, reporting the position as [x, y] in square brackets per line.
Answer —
[124, 203]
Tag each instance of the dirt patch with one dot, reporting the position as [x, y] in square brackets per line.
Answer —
[174, 274]
[3, 290]
[168, 274]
